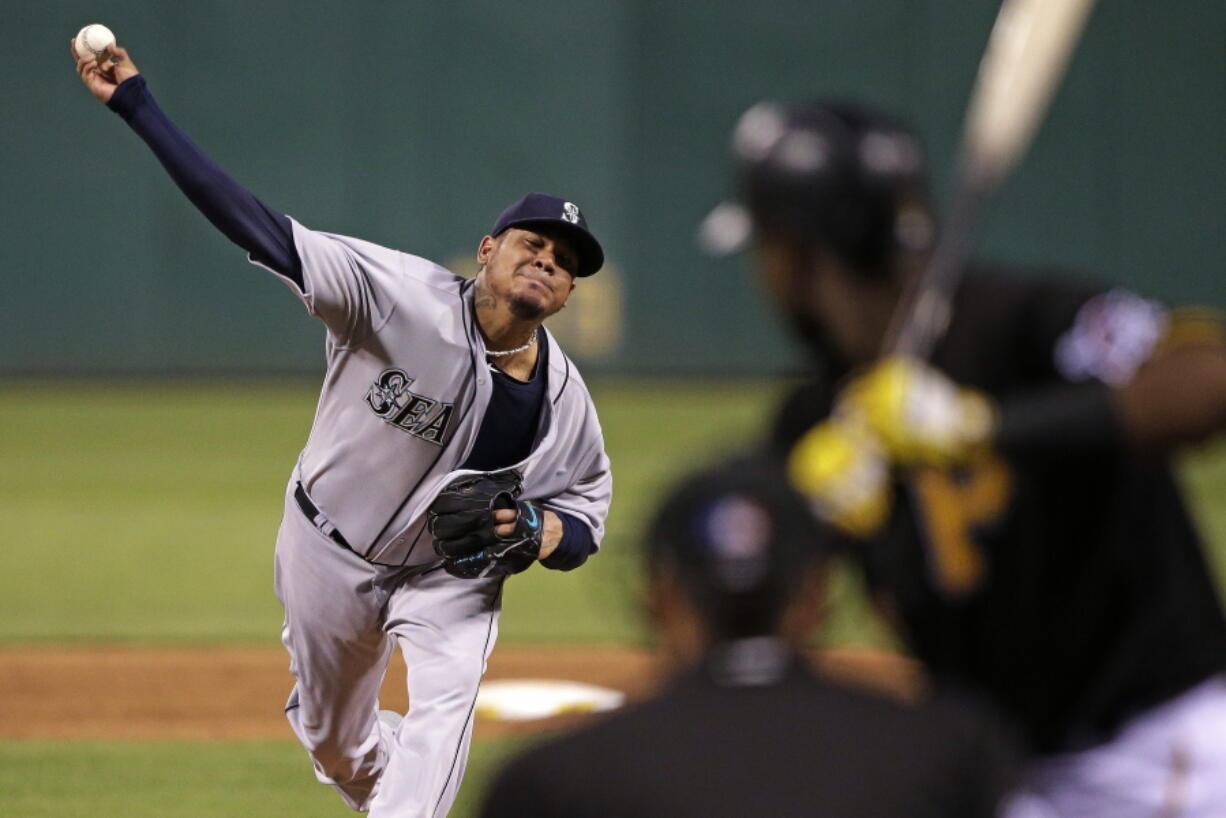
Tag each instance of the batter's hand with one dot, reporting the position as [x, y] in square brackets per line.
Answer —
[103, 78]
[845, 473]
[919, 414]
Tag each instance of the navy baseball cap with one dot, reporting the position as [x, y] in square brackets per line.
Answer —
[541, 208]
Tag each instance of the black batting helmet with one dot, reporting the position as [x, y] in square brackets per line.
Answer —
[833, 174]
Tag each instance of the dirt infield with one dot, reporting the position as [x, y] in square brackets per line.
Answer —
[216, 693]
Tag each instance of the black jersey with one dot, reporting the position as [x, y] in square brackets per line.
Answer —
[795, 745]
[1066, 581]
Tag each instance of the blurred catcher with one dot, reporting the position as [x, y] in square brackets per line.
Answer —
[735, 565]
[1011, 502]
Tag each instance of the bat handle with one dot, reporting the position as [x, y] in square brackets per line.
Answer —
[924, 311]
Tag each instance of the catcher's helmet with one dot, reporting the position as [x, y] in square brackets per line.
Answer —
[832, 174]
[740, 538]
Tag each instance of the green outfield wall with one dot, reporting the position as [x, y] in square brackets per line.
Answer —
[412, 124]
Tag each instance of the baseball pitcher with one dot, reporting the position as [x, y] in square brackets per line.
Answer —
[454, 444]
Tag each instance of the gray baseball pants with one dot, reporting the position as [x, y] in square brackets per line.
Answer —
[343, 617]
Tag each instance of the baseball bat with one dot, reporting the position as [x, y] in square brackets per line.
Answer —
[1026, 56]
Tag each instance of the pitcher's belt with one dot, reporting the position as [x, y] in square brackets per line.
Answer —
[317, 517]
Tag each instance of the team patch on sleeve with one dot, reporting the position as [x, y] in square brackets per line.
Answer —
[1113, 334]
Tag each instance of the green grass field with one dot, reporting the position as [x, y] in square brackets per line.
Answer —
[173, 779]
[146, 512]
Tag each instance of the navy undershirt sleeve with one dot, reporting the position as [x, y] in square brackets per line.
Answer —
[576, 545]
[263, 232]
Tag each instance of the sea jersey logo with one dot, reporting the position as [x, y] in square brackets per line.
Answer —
[570, 212]
[393, 401]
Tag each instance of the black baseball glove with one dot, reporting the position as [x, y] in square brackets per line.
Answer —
[461, 521]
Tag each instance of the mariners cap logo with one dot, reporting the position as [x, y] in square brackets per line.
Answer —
[570, 212]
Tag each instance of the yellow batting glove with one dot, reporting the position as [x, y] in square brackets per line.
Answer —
[844, 473]
[919, 414]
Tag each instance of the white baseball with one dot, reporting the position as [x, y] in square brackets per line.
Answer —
[92, 41]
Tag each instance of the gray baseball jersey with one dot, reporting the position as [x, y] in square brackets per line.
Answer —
[406, 387]
[405, 393]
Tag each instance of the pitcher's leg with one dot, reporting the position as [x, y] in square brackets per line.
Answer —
[338, 650]
[446, 628]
